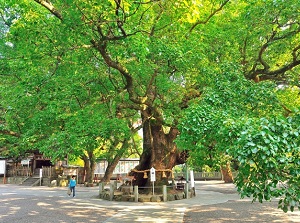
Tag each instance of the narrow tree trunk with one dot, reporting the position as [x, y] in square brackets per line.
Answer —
[114, 162]
[92, 171]
[227, 174]
[110, 169]
[86, 166]
[91, 167]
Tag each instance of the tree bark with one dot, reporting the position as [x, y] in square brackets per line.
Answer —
[227, 174]
[110, 169]
[85, 167]
[89, 168]
[159, 151]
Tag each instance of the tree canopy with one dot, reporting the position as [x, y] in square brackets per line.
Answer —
[206, 70]
[248, 128]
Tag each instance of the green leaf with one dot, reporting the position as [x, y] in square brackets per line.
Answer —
[254, 150]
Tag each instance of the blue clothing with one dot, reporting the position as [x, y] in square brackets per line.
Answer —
[72, 183]
[73, 191]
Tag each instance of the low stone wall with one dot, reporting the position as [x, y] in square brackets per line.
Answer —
[12, 180]
[131, 194]
[46, 181]
[120, 196]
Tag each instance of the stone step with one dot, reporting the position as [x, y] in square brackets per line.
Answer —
[31, 181]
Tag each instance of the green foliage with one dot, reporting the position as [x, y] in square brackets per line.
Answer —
[289, 97]
[60, 95]
[206, 123]
[268, 154]
[237, 120]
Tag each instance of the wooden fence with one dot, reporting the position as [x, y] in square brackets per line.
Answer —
[22, 171]
[19, 171]
[204, 175]
[48, 171]
[201, 175]
[54, 172]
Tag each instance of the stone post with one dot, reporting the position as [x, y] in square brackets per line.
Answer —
[101, 188]
[136, 193]
[187, 194]
[165, 197]
[111, 192]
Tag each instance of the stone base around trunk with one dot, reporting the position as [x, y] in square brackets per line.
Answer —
[128, 195]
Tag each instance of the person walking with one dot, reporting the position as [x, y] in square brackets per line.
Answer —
[72, 185]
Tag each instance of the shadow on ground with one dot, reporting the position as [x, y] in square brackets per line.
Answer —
[240, 212]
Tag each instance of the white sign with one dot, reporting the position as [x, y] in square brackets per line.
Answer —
[192, 179]
[25, 162]
[2, 167]
[152, 175]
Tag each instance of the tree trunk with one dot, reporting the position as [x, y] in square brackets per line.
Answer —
[227, 174]
[159, 151]
[86, 164]
[110, 169]
[89, 168]
[114, 162]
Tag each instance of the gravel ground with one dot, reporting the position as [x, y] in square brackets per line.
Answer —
[42, 210]
[215, 202]
[43, 205]
[237, 211]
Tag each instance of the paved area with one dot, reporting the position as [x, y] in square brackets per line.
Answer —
[214, 202]
[237, 210]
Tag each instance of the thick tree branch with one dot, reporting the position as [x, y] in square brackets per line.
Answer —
[11, 133]
[101, 47]
[48, 5]
[151, 90]
[274, 75]
[266, 73]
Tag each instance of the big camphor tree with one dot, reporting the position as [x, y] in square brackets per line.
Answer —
[122, 58]
[153, 60]
[133, 55]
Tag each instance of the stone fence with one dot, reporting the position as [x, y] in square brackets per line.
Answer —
[116, 192]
